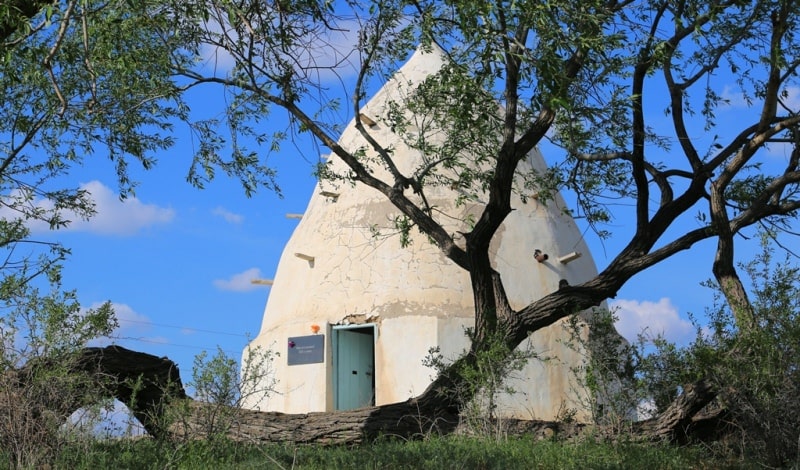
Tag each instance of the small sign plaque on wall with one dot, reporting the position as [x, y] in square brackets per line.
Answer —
[306, 349]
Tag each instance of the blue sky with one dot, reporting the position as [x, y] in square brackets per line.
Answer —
[177, 261]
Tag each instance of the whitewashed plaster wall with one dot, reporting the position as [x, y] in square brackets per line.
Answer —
[417, 297]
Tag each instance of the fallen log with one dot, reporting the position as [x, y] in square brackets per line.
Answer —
[404, 420]
[148, 385]
[677, 423]
[355, 426]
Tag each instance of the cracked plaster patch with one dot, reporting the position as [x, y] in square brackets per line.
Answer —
[359, 319]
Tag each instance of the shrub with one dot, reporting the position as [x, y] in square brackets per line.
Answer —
[755, 371]
[224, 386]
[484, 379]
[40, 381]
[758, 371]
[605, 379]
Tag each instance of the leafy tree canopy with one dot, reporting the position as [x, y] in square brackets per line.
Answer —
[630, 90]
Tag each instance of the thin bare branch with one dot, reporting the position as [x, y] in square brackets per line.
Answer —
[47, 62]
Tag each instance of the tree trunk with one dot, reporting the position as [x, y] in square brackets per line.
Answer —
[676, 423]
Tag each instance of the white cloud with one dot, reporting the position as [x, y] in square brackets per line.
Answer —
[328, 55]
[129, 319]
[213, 56]
[735, 102]
[131, 325]
[733, 97]
[239, 282]
[229, 216]
[116, 217]
[792, 101]
[334, 54]
[792, 98]
[113, 216]
[654, 318]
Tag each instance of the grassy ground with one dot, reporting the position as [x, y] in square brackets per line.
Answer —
[437, 453]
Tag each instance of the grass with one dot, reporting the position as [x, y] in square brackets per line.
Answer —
[436, 453]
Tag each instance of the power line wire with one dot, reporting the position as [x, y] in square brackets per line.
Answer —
[184, 328]
[188, 346]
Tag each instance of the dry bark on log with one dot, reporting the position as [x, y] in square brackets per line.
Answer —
[147, 384]
[677, 422]
[399, 420]
[404, 419]
[426, 415]
[356, 426]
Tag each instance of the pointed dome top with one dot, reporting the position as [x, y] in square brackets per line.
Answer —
[426, 61]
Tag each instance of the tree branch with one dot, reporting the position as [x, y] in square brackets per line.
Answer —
[26, 10]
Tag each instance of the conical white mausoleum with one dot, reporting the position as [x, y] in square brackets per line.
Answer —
[353, 314]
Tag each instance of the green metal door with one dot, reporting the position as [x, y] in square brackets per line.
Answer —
[355, 368]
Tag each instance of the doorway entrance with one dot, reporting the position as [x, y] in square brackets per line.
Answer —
[353, 366]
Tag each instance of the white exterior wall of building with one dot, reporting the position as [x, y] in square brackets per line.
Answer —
[336, 271]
